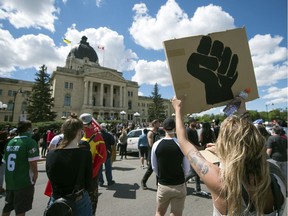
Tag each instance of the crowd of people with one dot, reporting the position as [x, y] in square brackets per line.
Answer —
[250, 179]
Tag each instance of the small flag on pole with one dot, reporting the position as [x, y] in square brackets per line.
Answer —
[100, 47]
[67, 41]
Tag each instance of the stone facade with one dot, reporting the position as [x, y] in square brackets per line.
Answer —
[14, 91]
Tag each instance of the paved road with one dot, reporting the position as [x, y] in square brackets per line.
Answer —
[125, 198]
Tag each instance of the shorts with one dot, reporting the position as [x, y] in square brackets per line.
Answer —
[143, 152]
[21, 200]
[171, 194]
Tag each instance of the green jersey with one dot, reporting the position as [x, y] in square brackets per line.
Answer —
[18, 153]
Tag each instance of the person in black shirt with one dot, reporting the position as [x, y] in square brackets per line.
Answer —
[170, 166]
[64, 164]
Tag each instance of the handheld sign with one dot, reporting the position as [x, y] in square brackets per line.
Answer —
[210, 70]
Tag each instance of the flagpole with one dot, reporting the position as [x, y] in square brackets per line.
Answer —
[103, 56]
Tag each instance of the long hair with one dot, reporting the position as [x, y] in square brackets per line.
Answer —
[241, 149]
[70, 129]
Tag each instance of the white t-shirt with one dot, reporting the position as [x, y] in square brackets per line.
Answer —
[56, 140]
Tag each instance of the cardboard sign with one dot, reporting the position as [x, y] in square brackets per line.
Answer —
[209, 156]
[210, 70]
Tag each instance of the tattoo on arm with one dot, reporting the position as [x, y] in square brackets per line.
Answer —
[195, 158]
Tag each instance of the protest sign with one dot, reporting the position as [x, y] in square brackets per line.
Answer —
[210, 70]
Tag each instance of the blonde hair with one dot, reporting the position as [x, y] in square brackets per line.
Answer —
[70, 128]
[241, 149]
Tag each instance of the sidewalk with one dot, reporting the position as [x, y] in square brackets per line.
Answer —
[126, 197]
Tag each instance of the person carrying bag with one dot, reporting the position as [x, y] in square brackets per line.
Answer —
[69, 170]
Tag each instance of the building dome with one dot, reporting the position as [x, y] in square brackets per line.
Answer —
[84, 50]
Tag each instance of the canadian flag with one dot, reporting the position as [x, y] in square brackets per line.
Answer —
[100, 47]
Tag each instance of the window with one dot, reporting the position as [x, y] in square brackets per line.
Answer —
[10, 105]
[1, 91]
[10, 93]
[114, 91]
[94, 101]
[67, 100]
[129, 105]
[95, 88]
[105, 89]
[68, 85]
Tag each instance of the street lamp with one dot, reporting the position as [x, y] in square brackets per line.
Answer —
[136, 115]
[14, 100]
[122, 113]
[3, 106]
[267, 105]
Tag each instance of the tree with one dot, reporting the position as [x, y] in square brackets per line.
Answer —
[156, 109]
[40, 102]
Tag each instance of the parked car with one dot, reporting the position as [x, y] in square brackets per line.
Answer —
[133, 137]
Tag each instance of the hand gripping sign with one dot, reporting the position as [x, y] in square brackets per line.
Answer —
[210, 70]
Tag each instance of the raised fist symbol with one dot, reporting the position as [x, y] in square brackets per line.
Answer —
[215, 66]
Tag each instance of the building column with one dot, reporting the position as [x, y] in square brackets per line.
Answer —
[91, 94]
[120, 97]
[111, 95]
[86, 92]
[101, 94]
[124, 96]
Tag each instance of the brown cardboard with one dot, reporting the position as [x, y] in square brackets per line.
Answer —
[209, 156]
[178, 52]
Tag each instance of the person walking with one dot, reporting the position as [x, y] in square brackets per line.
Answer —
[243, 184]
[99, 154]
[152, 136]
[143, 147]
[123, 143]
[21, 172]
[109, 142]
[66, 163]
[170, 173]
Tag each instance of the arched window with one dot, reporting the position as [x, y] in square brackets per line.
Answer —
[67, 100]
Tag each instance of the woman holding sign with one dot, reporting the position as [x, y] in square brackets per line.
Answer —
[244, 183]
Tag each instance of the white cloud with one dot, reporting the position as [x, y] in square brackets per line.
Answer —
[151, 73]
[32, 51]
[172, 22]
[276, 95]
[140, 93]
[29, 13]
[269, 59]
[29, 51]
[115, 55]
[99, 3]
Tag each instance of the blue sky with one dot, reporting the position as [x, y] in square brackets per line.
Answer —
[132, 31]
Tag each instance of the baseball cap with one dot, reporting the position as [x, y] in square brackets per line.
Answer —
[169, 124]
[86, 118]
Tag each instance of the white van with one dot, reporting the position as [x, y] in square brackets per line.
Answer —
[133, 137]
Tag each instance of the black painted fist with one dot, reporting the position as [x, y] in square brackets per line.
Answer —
[216, 67]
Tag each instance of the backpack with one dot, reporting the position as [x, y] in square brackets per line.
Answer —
[61, 207]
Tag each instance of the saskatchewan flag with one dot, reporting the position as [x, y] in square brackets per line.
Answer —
[67, 41]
